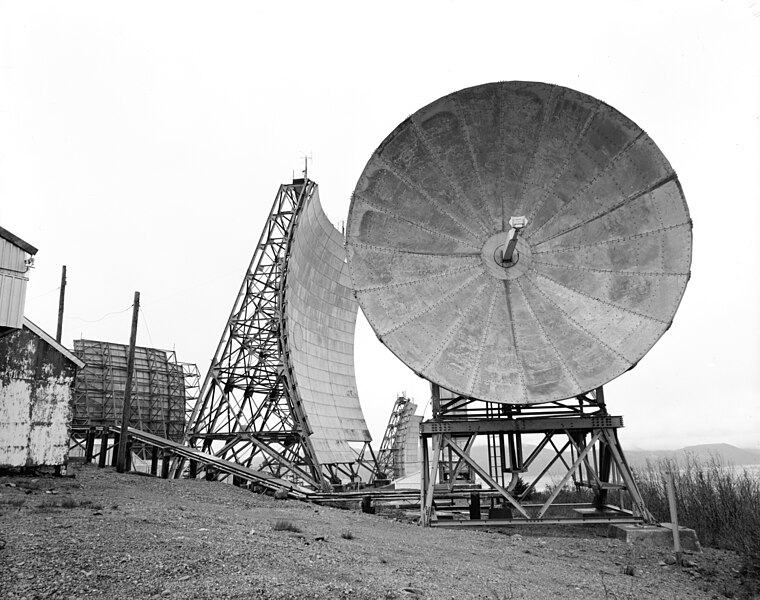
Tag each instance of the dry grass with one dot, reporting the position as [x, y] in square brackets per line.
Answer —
[283, 525]
[8, 504]
[50, 505]
[718, 501]
[15, 502]
[47, 506]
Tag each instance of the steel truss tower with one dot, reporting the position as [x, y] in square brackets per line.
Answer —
[387, 459]
[248, 409]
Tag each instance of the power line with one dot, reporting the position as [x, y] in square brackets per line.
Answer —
[45, 293]
[147, 329]
[116, 312]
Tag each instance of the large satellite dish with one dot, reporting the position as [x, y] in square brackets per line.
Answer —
[519, 242]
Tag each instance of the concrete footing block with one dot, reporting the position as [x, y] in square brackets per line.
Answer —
[660, 536]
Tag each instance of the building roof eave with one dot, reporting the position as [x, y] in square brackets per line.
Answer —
[51, 340]
[17, 241]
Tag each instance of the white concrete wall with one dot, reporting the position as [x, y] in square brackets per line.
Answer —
[35, 402]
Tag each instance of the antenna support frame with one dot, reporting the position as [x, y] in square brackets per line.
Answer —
[590, 454]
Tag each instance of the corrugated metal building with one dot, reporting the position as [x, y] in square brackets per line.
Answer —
[36, 401]
[15, 259]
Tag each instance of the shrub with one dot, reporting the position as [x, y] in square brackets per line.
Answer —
[283, 525]
[520, 488]
[30, 484]
[47, 506]
[17, 502]
[721, 503]
[568, 494]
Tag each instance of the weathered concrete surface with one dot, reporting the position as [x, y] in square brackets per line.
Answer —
[602, 263]
[35, 399]
[653, 535]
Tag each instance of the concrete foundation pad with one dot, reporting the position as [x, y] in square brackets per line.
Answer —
[660, 536]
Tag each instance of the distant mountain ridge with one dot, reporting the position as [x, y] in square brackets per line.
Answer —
[726, 454]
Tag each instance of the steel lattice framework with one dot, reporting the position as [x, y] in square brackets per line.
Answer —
[390, 458]
[158, 388]
[192, 377]
[248, 410]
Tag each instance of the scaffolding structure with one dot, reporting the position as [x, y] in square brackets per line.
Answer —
[159, 390]
[400, 442]
[192, 378]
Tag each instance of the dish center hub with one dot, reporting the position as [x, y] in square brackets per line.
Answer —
[506, 255]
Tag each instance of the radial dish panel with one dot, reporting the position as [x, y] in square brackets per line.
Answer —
[600, 268]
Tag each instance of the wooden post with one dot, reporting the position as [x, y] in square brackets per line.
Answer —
[674, 517]
[165, 465]
[154, 460]
[102, 454]
[62, 295]
[89, 445]
[475, 506]
[121, 464]
[115, 449]
[427, 507]
[128, 455]
[424, 474]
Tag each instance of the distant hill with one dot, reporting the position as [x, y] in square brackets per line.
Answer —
[725, 453]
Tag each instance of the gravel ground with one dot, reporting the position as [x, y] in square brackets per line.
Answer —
[99, 534]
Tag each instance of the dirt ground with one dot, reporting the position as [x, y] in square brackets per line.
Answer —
[99, 534]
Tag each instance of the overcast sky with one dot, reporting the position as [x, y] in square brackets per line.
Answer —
[142, 144]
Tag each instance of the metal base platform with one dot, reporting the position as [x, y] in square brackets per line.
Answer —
[588, 452]
[578, 514]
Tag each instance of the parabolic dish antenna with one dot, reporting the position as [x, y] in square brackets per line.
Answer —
[519, 242]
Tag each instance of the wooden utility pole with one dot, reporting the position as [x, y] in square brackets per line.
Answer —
[59, 331]
[674, 517]
[121, 461]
